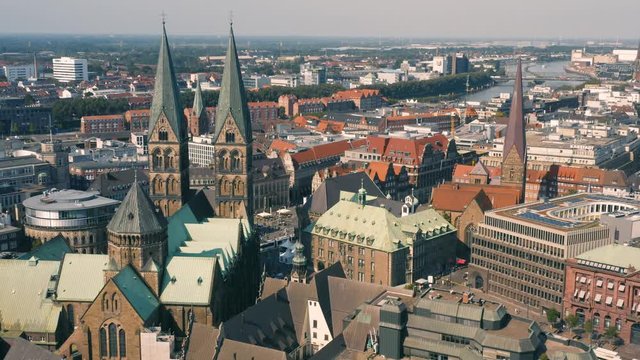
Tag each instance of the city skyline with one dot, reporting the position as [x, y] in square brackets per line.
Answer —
[546, 20]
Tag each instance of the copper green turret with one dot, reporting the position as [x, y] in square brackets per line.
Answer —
[198, 104]
[232, 101]
[166, 100]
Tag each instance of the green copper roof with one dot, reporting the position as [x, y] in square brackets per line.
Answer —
[233, 101]
[165, 94]
[137, 214]
[136, 291]
[53, 250]
[198, 104]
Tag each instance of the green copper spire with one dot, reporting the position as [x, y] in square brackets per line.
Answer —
[166, 95]
[233, 101]
[198, 104]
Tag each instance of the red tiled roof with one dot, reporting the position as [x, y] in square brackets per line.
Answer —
[279, 145]
[326, 150]
[409, 151]
[379, 168]
[456, 197]
[356, 93]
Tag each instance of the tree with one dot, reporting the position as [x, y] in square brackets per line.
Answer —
[553, 315]
[14, 128]
[611, 332]
[588, 328]
[29, 100]
[572, 321]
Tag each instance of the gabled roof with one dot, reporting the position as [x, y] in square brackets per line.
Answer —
[328, 194]
[137, 214]
[456, 197]
[81, 277]
[25, 303]
[320, 152]
[53, 250]
[479, 169]
[23, 349]
[188, 280]
[141, 298]
[515, 136]
[165, 94]
[379, 168]
[232, 101]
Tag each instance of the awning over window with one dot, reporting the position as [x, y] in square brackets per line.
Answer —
[621, 287]
[598, 298]
[582, 293]
[620, 303]
[599, 283]
[609, 300]
[575, 293]
[610, 285]
[583, 280]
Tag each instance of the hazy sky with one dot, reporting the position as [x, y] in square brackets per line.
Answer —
[531, 19]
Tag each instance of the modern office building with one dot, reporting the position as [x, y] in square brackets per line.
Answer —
[519, 252]
[80, 216]
[19, 72]
[603, 285]
[66, 69]
[312, 75]
[288, 80]
[202, 152]
[255, 81]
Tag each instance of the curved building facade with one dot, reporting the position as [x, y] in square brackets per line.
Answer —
[80, 216]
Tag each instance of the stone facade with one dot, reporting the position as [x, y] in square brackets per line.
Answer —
[90, 240]
[168, 178]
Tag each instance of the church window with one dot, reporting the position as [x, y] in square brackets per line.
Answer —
[157, 160]
[123, 343]
[230, 137]
[72, 320]
[103, 342]
[163, 135]
[113, 340]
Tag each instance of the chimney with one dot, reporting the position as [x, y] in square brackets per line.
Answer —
[465, 298]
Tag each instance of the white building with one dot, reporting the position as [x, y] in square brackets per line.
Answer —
[626, 55]
[201, 151]
[15, 72]
[155, 345]
[291, 80]
[256, 81]
[441, 64]
[68, 69]
[313, 75]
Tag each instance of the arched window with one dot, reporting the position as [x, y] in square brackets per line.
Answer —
[114, 301]
[607, 321]
[169, 159]
[103, 342]
[222, 160]
[618, 324]
[157, 160]
[72, 320]
[596, 320]
[163, 135]
[123, 343]
[230, 137]
[113, 340]
[235, 160]
[82, 240]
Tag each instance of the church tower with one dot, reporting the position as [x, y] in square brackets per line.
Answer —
[137, 235]
[233, 143]
[514, 155]
[636, 66]
[198, 119]
[299, 261]
[168, 151]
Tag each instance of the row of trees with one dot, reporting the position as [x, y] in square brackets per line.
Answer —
[67, 112]
[572, 321]
[452, 84]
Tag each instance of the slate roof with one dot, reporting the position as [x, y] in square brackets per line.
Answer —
[24, 304]
[107, 184]
[515, 136]
[81, 277]
[137, 214]
[53, 250]
[188, 280]
[165, 94]
[22, 349]
[328, 194]
[232, 101]
[141, 298]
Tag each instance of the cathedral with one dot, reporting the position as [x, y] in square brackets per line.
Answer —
[173, 259]
[514, 153]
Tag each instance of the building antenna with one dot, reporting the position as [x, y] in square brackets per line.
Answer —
[35, 65]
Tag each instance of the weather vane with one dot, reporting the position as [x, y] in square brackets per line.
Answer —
[231, 18]
[164, 17]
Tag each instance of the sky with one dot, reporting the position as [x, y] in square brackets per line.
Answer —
[491, 19]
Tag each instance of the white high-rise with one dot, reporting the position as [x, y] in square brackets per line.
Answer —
[68, 69]
[19, 72]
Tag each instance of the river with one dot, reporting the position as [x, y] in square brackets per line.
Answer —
[551, 69]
